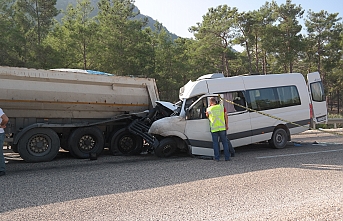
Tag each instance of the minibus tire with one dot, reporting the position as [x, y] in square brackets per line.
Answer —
[279, 138]
[166, 148]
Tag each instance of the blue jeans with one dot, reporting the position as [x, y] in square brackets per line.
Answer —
[231, 149]
[2, 158]
[216, 149]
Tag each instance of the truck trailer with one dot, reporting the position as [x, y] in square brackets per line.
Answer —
[77, 111]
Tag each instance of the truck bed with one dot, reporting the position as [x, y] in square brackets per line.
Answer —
[32, 93]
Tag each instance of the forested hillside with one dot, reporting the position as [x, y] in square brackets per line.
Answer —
[115, 41]
[63, 4]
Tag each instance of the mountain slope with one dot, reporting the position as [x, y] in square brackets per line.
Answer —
[62, 5]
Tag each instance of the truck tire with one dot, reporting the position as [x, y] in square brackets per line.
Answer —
[125, 143]
[166, 148]
[86, 140]
[279, 139]
[38, 145]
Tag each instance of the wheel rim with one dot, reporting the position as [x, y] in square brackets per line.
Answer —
[167, 149]
[126, 144]
[279, 138]
[38, 145]
[87, 143]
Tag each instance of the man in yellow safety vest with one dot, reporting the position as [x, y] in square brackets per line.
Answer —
[219, 125]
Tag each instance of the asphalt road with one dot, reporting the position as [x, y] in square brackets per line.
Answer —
[303, 181]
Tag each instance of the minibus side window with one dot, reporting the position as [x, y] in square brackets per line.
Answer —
[263, 99]
[228, 106]
[274, 97]
[198, 110]
[190, 101]
[317, 91]
[238, 98]
[289, 96]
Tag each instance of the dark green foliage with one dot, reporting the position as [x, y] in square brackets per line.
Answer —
[11, 39]
[112, 36]
[215, 37]
[288, 42]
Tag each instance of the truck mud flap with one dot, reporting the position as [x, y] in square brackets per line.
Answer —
[139, 128]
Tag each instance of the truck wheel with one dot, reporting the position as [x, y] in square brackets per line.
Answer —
[166, 148]
[124, 142]
[279, 139]
[39, 144]
[86, 140]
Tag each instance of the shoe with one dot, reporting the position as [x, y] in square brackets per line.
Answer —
[228, 160]
[216, 160]
[2, 173]
[232, 154]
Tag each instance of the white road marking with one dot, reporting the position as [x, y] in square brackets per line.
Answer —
[323, 166]
[298, 154]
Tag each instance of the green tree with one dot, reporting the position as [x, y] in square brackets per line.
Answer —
[120, 40]
[171, 67]
[324, 36]
[216, 34]
[11, 39]
[200, 59]
[75, 37]
[245, 23]
[289, 40]
[264, 37]
[162, 46]
[255, 30]
[184, 68]
[35, 18]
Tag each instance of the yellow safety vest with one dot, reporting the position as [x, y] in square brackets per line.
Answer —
[216, 117]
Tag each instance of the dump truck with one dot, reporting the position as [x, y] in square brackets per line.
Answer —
[80, 111]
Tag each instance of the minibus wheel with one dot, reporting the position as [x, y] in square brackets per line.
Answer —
[166, 148]
[279, 138]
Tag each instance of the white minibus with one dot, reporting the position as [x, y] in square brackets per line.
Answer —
[277, 96]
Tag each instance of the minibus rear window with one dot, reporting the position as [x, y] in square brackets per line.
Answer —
[317, 91]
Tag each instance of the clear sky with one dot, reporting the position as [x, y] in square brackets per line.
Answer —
[178, 15]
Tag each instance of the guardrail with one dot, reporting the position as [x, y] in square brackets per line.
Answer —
[335, 121]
